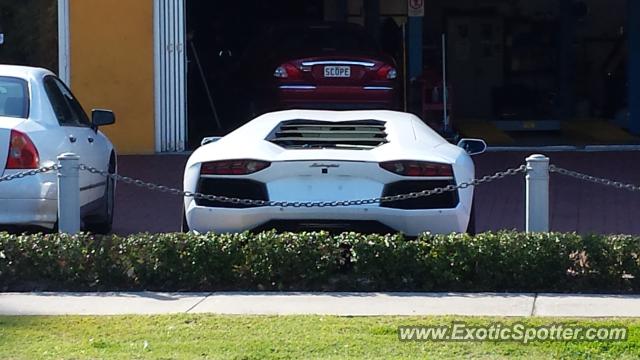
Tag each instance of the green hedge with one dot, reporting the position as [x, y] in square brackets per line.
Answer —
[503, 261]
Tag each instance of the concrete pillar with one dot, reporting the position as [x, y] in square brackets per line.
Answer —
[414, 45]
[372, 17]
[342, 10]
[537, 194]
[68, 194]
[633, 67]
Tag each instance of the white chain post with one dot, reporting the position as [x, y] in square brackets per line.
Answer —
[537, 202]
[69, 194]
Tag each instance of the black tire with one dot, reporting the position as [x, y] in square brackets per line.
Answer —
[471, 228]
[102, 223]
[56, 226]
[185, 226]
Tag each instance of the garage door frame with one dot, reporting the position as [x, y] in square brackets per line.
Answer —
[169, 28]
[64, 51]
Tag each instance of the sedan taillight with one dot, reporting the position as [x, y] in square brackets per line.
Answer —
[417, 168]
[233, 167]
[387, 72]
[287, 71]
[22, 153]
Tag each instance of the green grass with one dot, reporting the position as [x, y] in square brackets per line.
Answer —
[282, 337]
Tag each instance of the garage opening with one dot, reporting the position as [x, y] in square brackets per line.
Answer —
[519, 72]
[247, 58]
[533, 72]
[219, 34]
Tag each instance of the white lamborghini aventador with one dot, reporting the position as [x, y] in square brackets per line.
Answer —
[311, 156]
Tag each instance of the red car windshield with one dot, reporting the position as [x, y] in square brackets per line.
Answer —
[326, 39]
[299, 40]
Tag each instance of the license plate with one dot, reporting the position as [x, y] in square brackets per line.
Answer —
[337, 71]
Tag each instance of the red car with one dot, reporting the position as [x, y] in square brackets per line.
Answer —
[323, 66]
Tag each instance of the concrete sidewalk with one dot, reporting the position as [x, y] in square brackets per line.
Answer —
[342, 304]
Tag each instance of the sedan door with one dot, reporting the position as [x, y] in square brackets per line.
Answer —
[85, 142]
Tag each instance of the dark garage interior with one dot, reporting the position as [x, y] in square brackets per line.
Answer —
[218, 34]
[29, 33]
[518, 72]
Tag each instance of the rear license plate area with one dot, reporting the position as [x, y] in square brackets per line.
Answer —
[337, 71]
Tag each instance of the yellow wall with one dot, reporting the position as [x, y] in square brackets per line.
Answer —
[111, 45]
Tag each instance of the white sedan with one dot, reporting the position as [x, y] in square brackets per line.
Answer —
[314, 156]
[39, 120]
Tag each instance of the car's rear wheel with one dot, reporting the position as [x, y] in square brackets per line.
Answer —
[471, 227]
[185, 226]
[102, 223]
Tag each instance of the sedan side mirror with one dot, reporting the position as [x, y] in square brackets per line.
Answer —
[473, 146]
[100, 117]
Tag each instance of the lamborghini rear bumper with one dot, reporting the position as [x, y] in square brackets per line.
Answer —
[409, 222]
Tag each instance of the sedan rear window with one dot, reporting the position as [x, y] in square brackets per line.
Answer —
[14, 99]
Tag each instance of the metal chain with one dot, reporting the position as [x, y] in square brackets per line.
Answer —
[296, 204]
[413, 195]
[33, 172]
[593, 179]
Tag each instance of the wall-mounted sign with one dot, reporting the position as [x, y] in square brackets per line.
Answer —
[415, 7]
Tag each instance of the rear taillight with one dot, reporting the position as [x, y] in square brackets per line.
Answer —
[417, 168]
[287, 71]
[22, 153]
[233, 167]
[387, 72]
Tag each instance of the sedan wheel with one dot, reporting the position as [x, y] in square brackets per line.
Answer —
[471, 228]
[103, 222]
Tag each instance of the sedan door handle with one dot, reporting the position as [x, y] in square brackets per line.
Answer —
[72, 138]
[90, 140]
